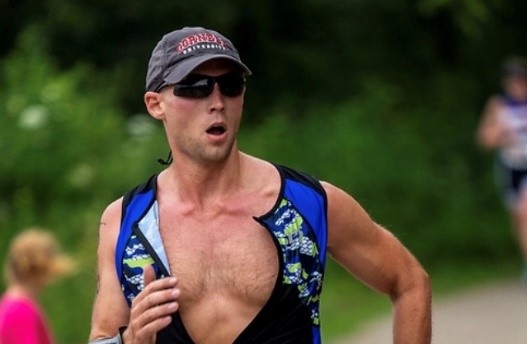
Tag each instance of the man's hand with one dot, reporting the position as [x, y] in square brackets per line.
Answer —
[152, 309]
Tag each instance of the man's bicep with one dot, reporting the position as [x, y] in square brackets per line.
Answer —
[110, 310]
[365, 249]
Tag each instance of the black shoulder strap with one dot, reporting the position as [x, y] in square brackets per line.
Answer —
[301, 177]
[141, 188]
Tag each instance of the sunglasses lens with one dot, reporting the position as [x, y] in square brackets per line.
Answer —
[201, 86]
[231, 84]
[194, 88]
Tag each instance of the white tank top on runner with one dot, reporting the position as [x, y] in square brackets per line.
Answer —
[514, 118]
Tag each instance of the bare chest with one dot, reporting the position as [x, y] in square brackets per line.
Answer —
[229, 256]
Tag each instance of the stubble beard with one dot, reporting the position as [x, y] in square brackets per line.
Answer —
[207, 154]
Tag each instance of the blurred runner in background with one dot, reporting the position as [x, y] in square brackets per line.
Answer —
[33, 261]
[503, 129]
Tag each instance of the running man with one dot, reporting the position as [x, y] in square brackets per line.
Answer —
[223, 247]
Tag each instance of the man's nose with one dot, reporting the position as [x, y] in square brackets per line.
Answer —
[216, 98]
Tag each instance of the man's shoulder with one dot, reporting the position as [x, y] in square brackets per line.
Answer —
[116, 208]
[146, 186]
[140, 197]
[298, 174]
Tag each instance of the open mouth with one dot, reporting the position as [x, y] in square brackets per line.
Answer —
[216, 130]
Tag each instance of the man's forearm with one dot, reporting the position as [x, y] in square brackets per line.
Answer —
[413, 315]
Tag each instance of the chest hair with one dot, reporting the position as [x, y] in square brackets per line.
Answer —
[229, 256]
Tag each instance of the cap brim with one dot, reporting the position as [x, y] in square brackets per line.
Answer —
[184, 68]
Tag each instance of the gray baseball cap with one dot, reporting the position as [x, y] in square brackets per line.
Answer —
[180, 51]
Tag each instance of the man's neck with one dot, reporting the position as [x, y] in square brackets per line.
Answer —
[201, 183]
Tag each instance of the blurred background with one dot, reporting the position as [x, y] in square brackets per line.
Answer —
[379, 97]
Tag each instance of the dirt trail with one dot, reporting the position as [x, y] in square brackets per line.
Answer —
[490, 314]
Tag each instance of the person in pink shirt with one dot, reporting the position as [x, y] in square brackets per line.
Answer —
[33, 261]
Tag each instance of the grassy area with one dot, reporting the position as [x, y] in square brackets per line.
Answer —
[347, 304]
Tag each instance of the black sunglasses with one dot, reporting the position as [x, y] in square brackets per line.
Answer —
[201, 86]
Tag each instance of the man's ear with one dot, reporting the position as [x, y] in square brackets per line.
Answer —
[154, 105]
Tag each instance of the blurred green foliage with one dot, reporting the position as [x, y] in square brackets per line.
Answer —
[414, 168]
[67, 151]
[296, 48]
[380, 98]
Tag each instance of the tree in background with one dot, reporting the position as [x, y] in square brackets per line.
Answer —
[317, 48]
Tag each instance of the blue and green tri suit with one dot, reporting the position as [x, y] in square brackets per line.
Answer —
[298, 225]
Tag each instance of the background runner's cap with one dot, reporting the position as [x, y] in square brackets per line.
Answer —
[515, 66]
[180, 51]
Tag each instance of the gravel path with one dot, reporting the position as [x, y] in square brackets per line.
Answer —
[491, 314]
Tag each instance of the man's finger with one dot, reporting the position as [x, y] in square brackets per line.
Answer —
[149, 275]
